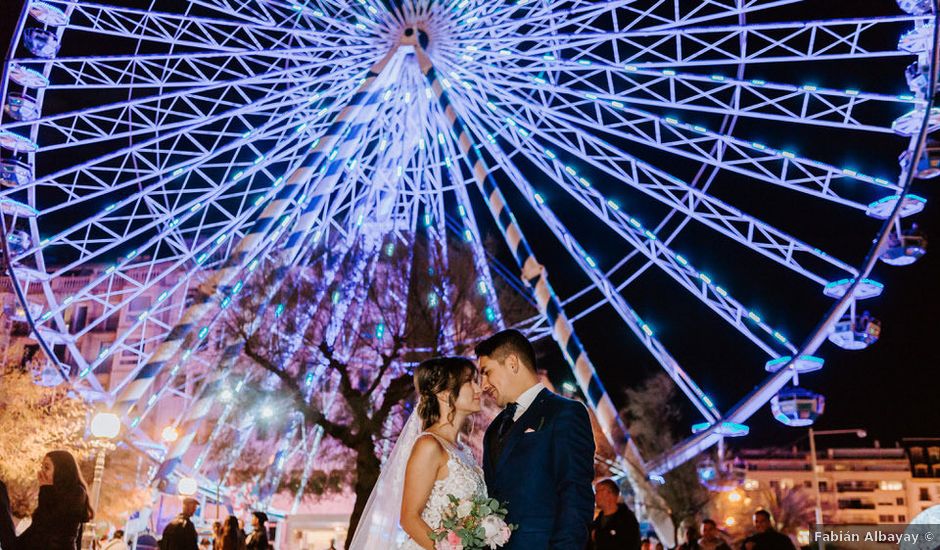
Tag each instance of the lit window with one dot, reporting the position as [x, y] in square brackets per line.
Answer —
[891, 486]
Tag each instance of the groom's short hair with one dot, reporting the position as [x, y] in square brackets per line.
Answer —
[506, 342]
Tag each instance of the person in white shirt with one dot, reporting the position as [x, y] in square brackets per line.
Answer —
[116, 542]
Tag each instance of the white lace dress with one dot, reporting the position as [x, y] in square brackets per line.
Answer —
[464, 480]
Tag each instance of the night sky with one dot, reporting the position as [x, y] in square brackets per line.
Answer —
[890, 389]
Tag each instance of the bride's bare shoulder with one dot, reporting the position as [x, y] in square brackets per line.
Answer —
[428, 451]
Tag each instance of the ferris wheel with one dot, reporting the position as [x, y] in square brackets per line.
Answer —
[155, 153]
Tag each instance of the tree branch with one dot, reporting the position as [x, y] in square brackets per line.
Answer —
[353, 397]
[397, 391]
[313, 415]
[387, 361]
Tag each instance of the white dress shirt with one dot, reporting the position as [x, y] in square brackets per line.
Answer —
[525, 400]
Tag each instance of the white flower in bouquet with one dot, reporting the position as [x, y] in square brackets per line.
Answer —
[472, 524]
[495, 531]
[464, 508]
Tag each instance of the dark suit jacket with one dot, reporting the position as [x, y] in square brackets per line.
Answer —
[620, 531]
[179, 534]
[544, 474]
[7, 530]
[57, 521]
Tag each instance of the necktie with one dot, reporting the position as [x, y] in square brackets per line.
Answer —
[505, 424]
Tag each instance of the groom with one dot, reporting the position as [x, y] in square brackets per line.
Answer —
[538, 454]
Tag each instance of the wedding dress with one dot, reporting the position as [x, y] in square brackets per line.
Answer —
[379, 525]
[464, 480]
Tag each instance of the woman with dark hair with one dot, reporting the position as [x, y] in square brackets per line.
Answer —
[232, 538]
[429, 462]
[63, 506]
[258, 539]
[440, 466]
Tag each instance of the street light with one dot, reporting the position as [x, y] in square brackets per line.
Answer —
[105, 426]
[812, 454]
[188, 486]
[170, 434]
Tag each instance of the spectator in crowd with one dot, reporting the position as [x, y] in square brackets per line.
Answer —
[116, 542]
[216, 535]
[63, 506]
[765, 537]
[615, 526]
[232, 538]
[180, 533]
[645, 544]
[711, 537]
[691, 539]
[7, 529]
[258, 539]
[146, 541]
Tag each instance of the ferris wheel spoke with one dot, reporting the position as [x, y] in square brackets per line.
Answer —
[511, 17]
[583, 17]
[178, 70]
[193, 32]
[697, 283]
[810, 41]
[201, 190]
[189, 143]
[630, 317]
[184, 109]
[692, 141]
[806, 104]
[718, 216]
[468, 230]
[254, 12]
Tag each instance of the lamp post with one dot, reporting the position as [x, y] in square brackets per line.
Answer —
[105, 426]
[812, 457]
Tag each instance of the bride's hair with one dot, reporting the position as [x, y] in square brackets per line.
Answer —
[436, 375]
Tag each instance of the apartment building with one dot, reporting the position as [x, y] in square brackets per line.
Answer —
[857, 485]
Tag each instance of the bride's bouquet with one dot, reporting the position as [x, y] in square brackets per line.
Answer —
[472, 524]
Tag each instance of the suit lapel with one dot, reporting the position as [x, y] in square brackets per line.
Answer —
[488, 458]
[535, 411]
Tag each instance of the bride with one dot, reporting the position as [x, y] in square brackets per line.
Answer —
[428, 462]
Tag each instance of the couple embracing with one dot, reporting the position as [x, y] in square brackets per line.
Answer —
[538, 456]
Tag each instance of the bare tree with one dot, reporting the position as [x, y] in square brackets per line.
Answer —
[652, 415]
[355, 323]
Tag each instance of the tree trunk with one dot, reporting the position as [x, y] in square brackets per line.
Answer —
[367, 473]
